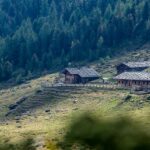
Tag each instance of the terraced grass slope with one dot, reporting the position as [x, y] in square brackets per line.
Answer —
[44, 97]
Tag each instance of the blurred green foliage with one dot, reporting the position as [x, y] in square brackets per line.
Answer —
[88, 132]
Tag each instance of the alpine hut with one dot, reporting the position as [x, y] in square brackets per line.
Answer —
[82, 75]
[134, 79]
[132, 66]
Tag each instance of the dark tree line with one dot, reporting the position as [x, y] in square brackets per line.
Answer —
[38, 35]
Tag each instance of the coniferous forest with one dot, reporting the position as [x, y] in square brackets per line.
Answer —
[38, 35]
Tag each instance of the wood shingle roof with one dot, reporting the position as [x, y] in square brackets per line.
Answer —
[143, 64]
[138, 76]
[83, 72]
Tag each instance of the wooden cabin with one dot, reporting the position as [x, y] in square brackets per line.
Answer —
[134, 79]
[132, 66]
[82, 75]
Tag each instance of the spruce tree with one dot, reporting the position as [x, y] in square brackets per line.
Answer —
[146, 12]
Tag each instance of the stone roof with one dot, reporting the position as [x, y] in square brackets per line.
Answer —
[72, 70]
[138, 64]
[83, 72]
[138, 76]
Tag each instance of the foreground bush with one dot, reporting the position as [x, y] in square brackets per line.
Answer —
[24, 145]
[118, 134]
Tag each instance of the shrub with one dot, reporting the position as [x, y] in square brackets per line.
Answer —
[115, 134]
[19, 79]
[50, 145]
[128, 97]
[148, 98]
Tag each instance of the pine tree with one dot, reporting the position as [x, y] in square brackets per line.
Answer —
[119, 9]
[75, 50]
[35, 63]
[53, 14]
[108, 12]
[147, 31]
[44, 36]
[100, 42]
[8, 69]
[44, 9]
[146, 12]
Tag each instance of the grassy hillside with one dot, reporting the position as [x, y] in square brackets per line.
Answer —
[45, 113]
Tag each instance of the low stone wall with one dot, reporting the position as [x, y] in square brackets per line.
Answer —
[101, 86]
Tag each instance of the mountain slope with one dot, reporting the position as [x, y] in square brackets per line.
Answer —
[43, 35]
[46, 112]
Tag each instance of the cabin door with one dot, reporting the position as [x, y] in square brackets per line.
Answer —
[129, 83]
[78, 79]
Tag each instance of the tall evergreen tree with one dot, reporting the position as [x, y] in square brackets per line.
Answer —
[146, 12]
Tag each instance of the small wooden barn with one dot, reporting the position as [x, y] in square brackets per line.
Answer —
[82, 75]
[134, 79]
[132, 66]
